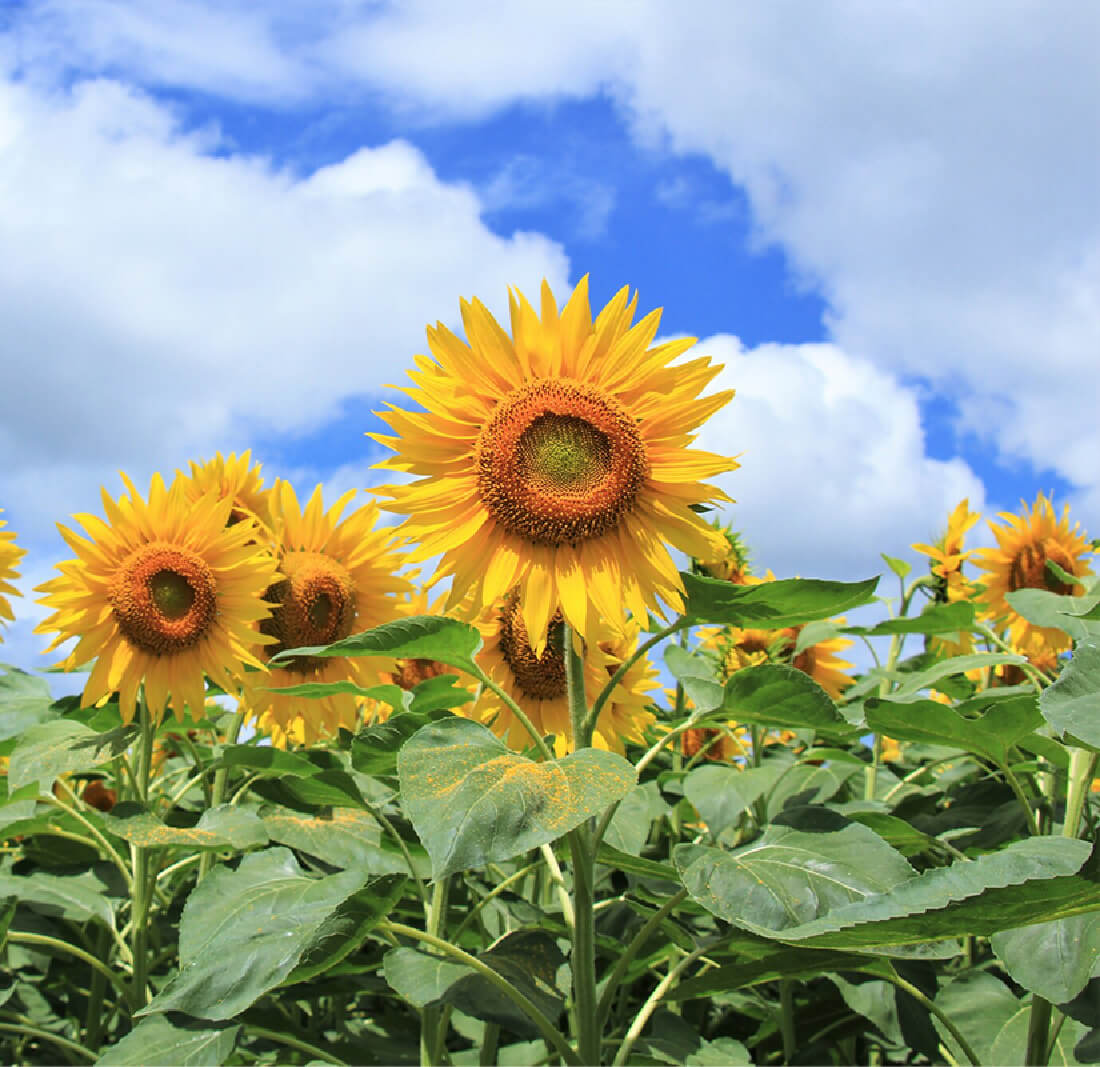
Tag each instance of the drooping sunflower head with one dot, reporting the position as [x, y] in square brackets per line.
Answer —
[733, 565]
[10, 555]
[555, 461]
[1026, 543]
[536, 680]
[235, 478]
[337, 577]
[162, 593]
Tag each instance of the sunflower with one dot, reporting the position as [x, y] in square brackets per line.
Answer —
[536, 680]
[716, 744]
[739, 648]
[947, 554]
[733, 563]
[10, 555]
[162, 593]
[337, 578]
[556, 461]
[236, 478]
[1025, 544]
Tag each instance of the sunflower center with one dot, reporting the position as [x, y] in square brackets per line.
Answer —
[313, 605]
[1029, 568]
[538, 677]
[163, 598]
[560, 462]
[411, 672]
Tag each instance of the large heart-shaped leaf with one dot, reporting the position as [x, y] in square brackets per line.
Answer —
[473, 801]
[721, 793]
[771, 605]
[244, 931]
[54, 748]
[780, 696]
[220, 827]
[1054, 959]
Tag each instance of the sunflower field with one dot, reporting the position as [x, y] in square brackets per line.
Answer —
[500, 783]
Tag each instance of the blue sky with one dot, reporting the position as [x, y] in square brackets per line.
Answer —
[226, 225]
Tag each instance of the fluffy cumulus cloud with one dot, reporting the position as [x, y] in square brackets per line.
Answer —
[824, 434]
[931, 168]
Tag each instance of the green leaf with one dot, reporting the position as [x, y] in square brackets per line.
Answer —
[51, 749]
[940, 619]
[172, 1041]
[1010, 1044]
[374, 749]
[529, 960]
[419, 978]
[697, 677]
[832, 881]
[633, 819]
[417, 637]
[803, 783]
[1054, 959]
[722, 793]
[1003, 724]
[440, 693]
[787, 878]
[347, 838]
[19, 805]
[220, 827]
[642, 868]
[265, 758]
[1070, 614]
[897, 833]
[899, 566]
[79, 897]
[347, 927]
[979, 1004]
[721, 1052]
[473, 801]
[913, 682]
[243, 931]
[332, 788]
[24, 701]
[1071, 703]
[779, 696]
[771, 605]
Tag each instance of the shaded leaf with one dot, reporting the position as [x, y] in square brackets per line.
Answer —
[243, 931]
[374, 749]
[421, 979]
[979, 1004]
[721, 1052]
[783, 962]
[771, 605]
[697, 677]
[473, 801]
[721, 793]
[529, 960]
[79, 897]
[1073, 615]
[630, 825]
[913, 682]
[172, 1041]
[1054, 959]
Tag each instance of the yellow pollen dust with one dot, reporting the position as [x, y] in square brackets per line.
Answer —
[1029, 569]
[164, 598]
[538, 677]
[560, 462]
[313, 605]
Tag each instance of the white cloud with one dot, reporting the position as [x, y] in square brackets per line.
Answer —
[833, 465]
[931, 167]
[161, 301]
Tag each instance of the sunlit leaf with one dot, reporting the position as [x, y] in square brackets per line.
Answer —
[939, 619]
[172, 1041]
[419, 978]
[473, 801]
[51, 749]
[220, 827]
[24, 701]
[721, 793]
[1070, 704]
[771, 605]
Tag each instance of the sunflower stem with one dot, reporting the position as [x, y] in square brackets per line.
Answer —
[519, 713]
[217, 795]
[431, 1037]
[141, 889]
[1082, 765]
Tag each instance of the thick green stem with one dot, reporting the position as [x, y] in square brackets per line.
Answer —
[431, 1041]
[488, 1055]
[141, 886]
[1037, 1029]
[584, 948]
[519, 713]
[546, 1028]
[786, 1019]
[1082, 766]
[93, 1017]
[217, 795]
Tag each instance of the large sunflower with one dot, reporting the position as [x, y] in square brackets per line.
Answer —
[338, 578]
[556, 461]
[236, 478]
[1025, 543]
[162, 593]
[10, 555]
[535, 680]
